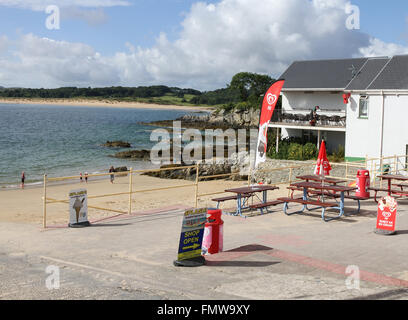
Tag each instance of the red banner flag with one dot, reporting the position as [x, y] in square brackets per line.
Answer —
[268, 106]
[323, 166]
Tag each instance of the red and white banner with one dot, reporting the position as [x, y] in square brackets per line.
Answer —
[268, 106]
[322, 166]
[387, 212]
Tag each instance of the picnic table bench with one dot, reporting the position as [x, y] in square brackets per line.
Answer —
[223, 199]
[319, 178]
[402, 192]
[308, 202]
[401, 185]
[262, 206]
[313, 192]
[322, 189]
[389, 190]
[247, 192]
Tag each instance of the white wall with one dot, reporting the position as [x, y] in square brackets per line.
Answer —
[395, 125]
[363, 136]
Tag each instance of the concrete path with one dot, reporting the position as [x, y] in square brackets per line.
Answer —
[265, 257]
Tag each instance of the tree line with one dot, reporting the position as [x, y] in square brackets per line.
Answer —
[245, 90]
[107, 92]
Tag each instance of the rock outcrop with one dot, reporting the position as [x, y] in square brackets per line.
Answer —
[238, 165]
[116, 144]
[133, 155]
[218, 119]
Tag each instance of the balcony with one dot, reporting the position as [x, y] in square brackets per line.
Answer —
[329, 120]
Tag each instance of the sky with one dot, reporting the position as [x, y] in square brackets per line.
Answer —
[186, 43]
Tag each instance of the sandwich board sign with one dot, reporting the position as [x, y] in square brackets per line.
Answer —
[387, 212]
[78, 208]
[191, 238]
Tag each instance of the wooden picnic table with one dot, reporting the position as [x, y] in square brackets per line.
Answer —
[389, 189]
[250, 191]
[319, 178]
[321, 204]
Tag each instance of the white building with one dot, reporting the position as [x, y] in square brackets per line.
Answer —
[372, 122]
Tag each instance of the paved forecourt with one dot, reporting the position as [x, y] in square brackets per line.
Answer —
[270, 256]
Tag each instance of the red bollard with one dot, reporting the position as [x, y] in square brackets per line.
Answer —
[363, 183]
[213, 233]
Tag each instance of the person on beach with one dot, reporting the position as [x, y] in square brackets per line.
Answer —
[22, 180]
[112, 176]
[86, 177]
[80, 176]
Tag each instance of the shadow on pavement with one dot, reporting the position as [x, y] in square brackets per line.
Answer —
[240, 263]
[389, 295]
[230, 258]
[97, 225]
[251, 248]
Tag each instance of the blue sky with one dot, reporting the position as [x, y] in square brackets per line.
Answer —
[386, 20]
[183, 42]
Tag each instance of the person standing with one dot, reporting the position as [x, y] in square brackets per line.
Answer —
[112, 176]
[80, 176]
[22, 180]
[86, 177]
[314, 116]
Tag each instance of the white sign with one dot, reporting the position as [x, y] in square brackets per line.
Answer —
[78, 206]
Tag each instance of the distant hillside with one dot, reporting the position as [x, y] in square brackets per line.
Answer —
[244, 92]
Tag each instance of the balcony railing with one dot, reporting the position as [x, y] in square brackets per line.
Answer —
[329, 118]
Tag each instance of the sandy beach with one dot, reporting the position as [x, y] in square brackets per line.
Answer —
[100, 103]
[26, 206]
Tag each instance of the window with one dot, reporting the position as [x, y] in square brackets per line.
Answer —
[363, 107]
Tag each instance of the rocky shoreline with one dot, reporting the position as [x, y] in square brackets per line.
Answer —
[218, 119]
[238, 164]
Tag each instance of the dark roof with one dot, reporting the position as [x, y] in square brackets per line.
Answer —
[367, 74]
[381, 73]
[321, 74]
[394, 76]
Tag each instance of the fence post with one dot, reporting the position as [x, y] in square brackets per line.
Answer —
[196, 185]
[381, 169]
[290, 179]
[250, 175]
[130, 190]
[373, 165]
[45, 202]
[346, 170]
[396, 163]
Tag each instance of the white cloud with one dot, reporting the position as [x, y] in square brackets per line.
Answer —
[216, 41]
[42, 62]
[3, 43]
[40, 5]
[91, 16]
[380, 48]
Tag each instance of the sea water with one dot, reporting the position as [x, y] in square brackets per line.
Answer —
[66, 140]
